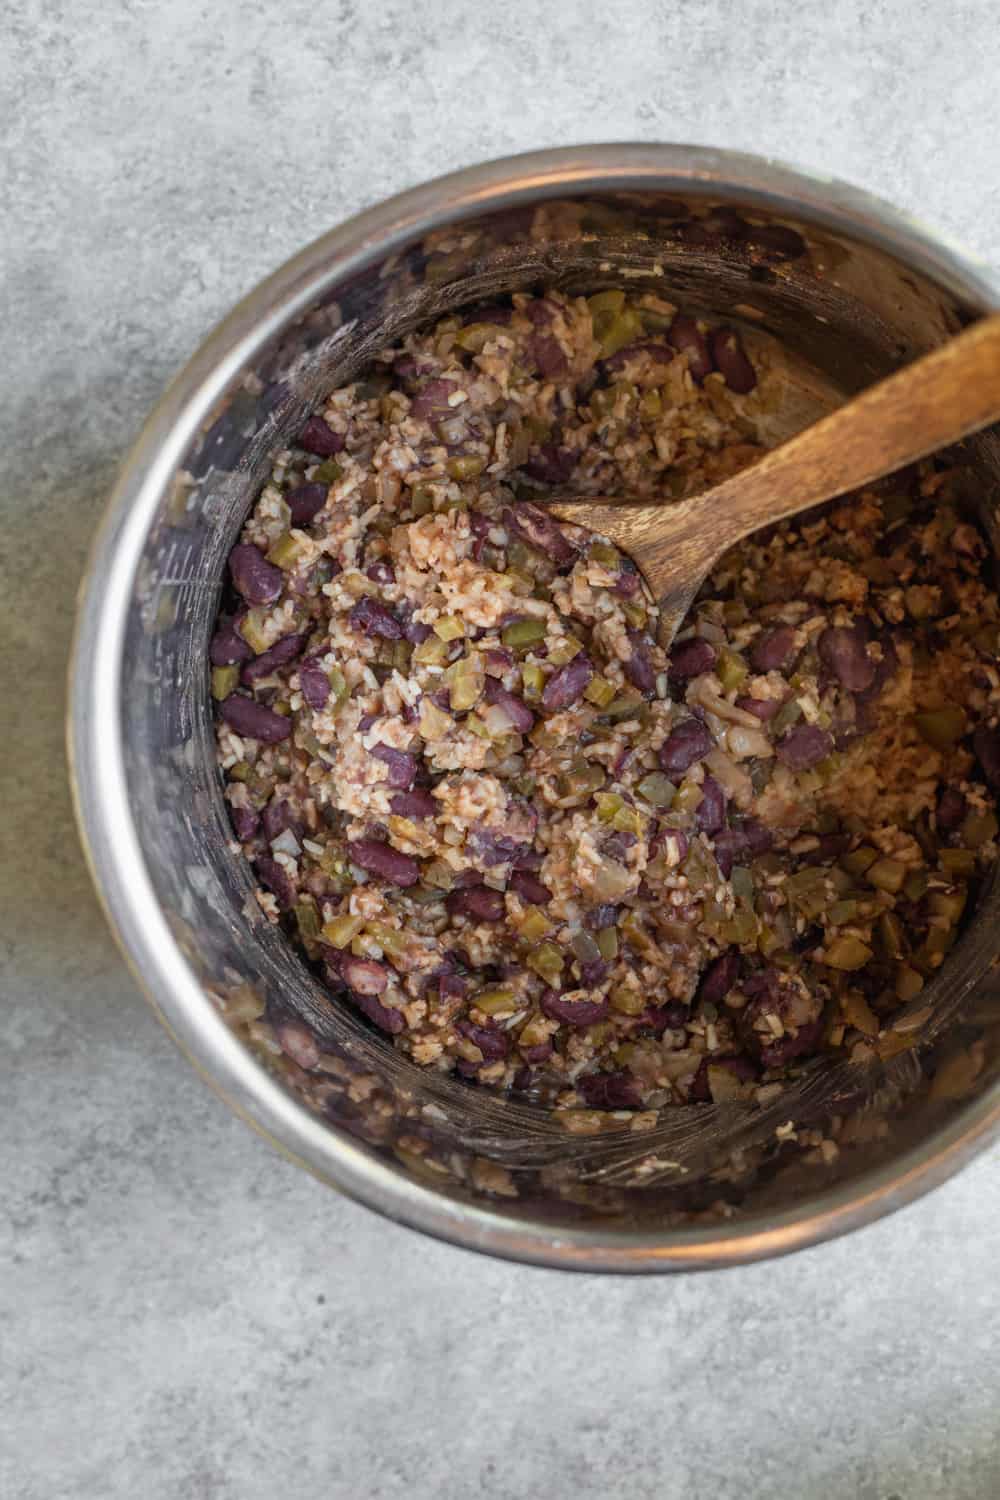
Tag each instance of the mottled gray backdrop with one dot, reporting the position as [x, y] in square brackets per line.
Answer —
[184, 1316]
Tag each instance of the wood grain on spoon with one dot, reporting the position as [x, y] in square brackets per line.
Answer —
[930, 403]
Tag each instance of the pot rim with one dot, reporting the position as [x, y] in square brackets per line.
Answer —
[94, 727]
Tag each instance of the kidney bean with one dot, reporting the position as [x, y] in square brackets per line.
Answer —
[731, 360]
[245, 822]
[534, 526]
[415, 805]
[951, 809]
[772, 651]
[761, 708]
[276, 879]
[491, 1041]
[691, 658]
[319, 438]
[566, 686]
[548, 355]
[305, 502]
[278, 655]
[720, 976]
[710, 814]
[432, 399]
[277, 816]
[298, 1043]
[729, 845]
[381, 859]
[254, 578]
[228, 646]
[804, 746]
[573, 1012]
[375, 619]
[381, 572]
[314, 684]
[688, 742]
[687, 338]
[540, 1053]
[617, 1090]
[382, 1016]
[401, 764]
[551, 464]
[782, 1051]
[842, 650]
[253, 721]
[477, 901]
[515, 708]
[986, 747]
[364, 975]
[524, 884]
[661, 353]
[741, 1067]
[639, 668]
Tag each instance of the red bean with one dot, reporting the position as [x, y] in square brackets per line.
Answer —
[413, 805]
[710, 814]
[277, 816]
[306, 502]
[551, 464]
[381, 572]
[688, 742]
[617, 1090]
[375, 619]
[477, 901]
[639, 668]
[547, 353]
[253, 721]
[298, 1043]
[492, 1043]
[319, 438]
[842, 650]
[276, 879]
[257, 580]
[720, 976]
[278, 655]
[245, 822]
[771, 652]
[951, 808]
[228, 646]
[691, 658]
[540, 530]
[731, 360]
[573, 1012]
[524, 884]
[432, 399]
[804, 746]
[364, 975]
[401, 764]
[515, 708]
[761, 708]
[314, 684]
[382, 1016]
[381, 859]
[566, 686]
[986, 747]
[687, 338]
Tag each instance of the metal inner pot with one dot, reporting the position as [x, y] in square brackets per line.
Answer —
[850, 291]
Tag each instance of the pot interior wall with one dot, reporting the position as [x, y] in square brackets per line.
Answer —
[845, 313]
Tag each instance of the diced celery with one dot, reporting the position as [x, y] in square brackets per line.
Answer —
[521, 635]
[657, 789]
[941, 727]
[225, 680]
[340, 931]
[599, 691]
[847, 953]
[448, 628]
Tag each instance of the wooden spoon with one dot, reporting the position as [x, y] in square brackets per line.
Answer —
[932, 402]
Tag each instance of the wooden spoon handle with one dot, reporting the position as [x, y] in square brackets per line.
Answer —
[934, 401]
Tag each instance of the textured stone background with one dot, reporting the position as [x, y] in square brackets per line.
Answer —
[183, 1316]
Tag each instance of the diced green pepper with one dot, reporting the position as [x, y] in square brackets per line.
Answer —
[657, 789]
[607, 943]
[547, 962]
[847, 953]
[627, 705]
[886, 875]
[287, 551]
[890, 935]
[941, 727]
[496, 1002]
[958, 863]
[627, 999]
[788, 714]
[565, 650]
[307, 920]
[582, 780]
[599, 691]
[521, 635]
[422, 499]
[857, 861]
[225, 680]
[475, 336]
[534, 925]
[730, 669]
[340, 931]
[978, 829]
[433, 652]
[465, 465]
[635, 613]
[532, 681]
[448, 628]
[389, 939]
[254, 631]
[608, 556]
[908, 983]
[915, 885]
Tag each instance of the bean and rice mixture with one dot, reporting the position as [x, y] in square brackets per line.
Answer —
[500, 822]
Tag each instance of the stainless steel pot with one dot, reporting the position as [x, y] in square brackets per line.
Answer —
[851, 288]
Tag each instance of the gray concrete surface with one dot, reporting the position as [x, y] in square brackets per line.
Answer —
[184, 1316]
